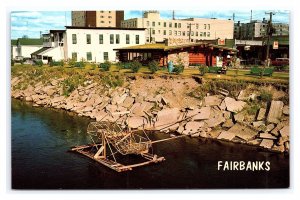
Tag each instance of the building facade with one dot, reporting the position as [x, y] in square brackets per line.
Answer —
[102, 18]
[257, 28]
[23, 47]
[89, 44]
[194, 29]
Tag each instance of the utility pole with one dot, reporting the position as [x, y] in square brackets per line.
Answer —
[173, 14]
[251, 17]
[269, 32]
[233, 16]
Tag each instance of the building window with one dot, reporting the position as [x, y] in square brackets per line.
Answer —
[158, 31]
[179, 25]
[153, 24]
[165, 32]
[109, 16]
[187, 33]
[74, 56]
[74, 39]
[109, 11]
[175, 25]
[88, 38]
[117, 38]
[197, 26]
[204, 26]
[201, 34]
[175, 33]
[196, 33]
[158, 23]
[204, 34]
[88, 55]
[183, 33]
[153, 32]
[101, 39]
[170, 24]
[105, 56]
[208, 34]
[101, 16]
[127, 39]
[102, 22]
[192, 33]
[137, 39]
[147, 23]
[111, 38]
[179, 33]
[170, 32]
[208, 26]
[165, 24]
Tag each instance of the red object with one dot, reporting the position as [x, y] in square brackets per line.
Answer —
[280, 62]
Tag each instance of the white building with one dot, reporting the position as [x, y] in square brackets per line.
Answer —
[23, 47]
[193, 29]
[92, 44]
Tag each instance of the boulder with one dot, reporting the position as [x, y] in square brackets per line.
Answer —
[279, 148]
[266, 143]
[57, 99]
[212, 100]
[166, 117]
[270, 127]
[267, 136]
[286, 110]
[180, 129]
[254, 141]
[28, 98]
[243, 131]
[215, 121]
[88, 109]
[128, 102]
[228, 123]
[275, 112]
[239, 117]
[200, 114]
[222, 106]
[234, 106]
[226, 135]
[256, 124]
[261, 114]
[135, 122]
[285, 133]
[194, 126]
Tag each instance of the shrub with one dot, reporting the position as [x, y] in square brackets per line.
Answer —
[71, 83]
[80, 64]
[105, 66]
[12, 62]
[135, 66]
[178, 69]
[71, 63]
[113, 81]
[56, 63]
[153, 66]
[93, 66]
[38, 63]
[265, 96]
[203, 69]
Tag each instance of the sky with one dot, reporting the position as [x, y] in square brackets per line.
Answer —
[33, 23]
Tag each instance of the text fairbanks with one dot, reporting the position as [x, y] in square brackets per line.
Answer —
[244, 166]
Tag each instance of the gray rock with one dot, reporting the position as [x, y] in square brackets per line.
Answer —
[275, 112]
[212, 100]
[234, 106]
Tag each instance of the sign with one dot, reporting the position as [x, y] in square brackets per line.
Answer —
[275, 45]
[246, 48]
[221, 42]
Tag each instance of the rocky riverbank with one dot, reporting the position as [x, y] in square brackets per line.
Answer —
[171, 104]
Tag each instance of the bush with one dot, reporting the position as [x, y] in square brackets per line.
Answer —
[80, 64]
[71, 63]
[178, 69]
[135, 66]
[38, 63]
[265, 96]
[203, 69]
[153, 66]
[113, 80]
[93, 66]
[12, 62]
[56, 63]
[105, 66]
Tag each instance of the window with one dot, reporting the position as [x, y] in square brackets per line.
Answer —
[88, 55]
[208, 26]
[197, 26]
[74, 39]
[192, 33]
[175, 25]
[170, 32]
[175, 33]
[88, 38]
[208, 34]
[179, 25]
[187, 33]
[170, 24]
[105, 56]
[101, 16]
[165, 24]
[74, 56]
[201, 34]
[158, 23]
[117, 38]
[137, 39]
[153, 32]
[101, 39]
[196, 33]
[165, 32]
[109, 17]
[158, 31]
[204, 34]
[147, 23]
[127, 39]
[153, 23]
[111, 37]
[179, 33]
[204, 26]
[183, 33]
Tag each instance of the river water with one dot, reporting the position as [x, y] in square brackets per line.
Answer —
[41, 138]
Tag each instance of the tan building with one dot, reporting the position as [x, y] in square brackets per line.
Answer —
[102, 18]
[194, 29]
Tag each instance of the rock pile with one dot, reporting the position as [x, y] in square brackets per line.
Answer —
[218, 116]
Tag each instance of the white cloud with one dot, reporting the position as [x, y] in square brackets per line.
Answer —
[26, 14]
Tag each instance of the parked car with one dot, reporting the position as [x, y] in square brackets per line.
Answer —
[280, 62]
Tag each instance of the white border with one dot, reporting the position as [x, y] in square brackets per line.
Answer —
[11, 5]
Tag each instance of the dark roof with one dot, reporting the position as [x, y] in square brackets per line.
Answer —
[40, 50]
[103, 28]
[30, 41]
[57, 31]
[162, 46]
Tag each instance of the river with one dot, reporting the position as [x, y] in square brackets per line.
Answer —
[41, 138]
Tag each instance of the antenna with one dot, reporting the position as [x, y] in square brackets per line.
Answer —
[173, 15]
[251, 16]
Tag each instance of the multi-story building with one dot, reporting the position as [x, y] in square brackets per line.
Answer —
[102, 18]
[193, 29]
[257, 29]
[91, 44]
